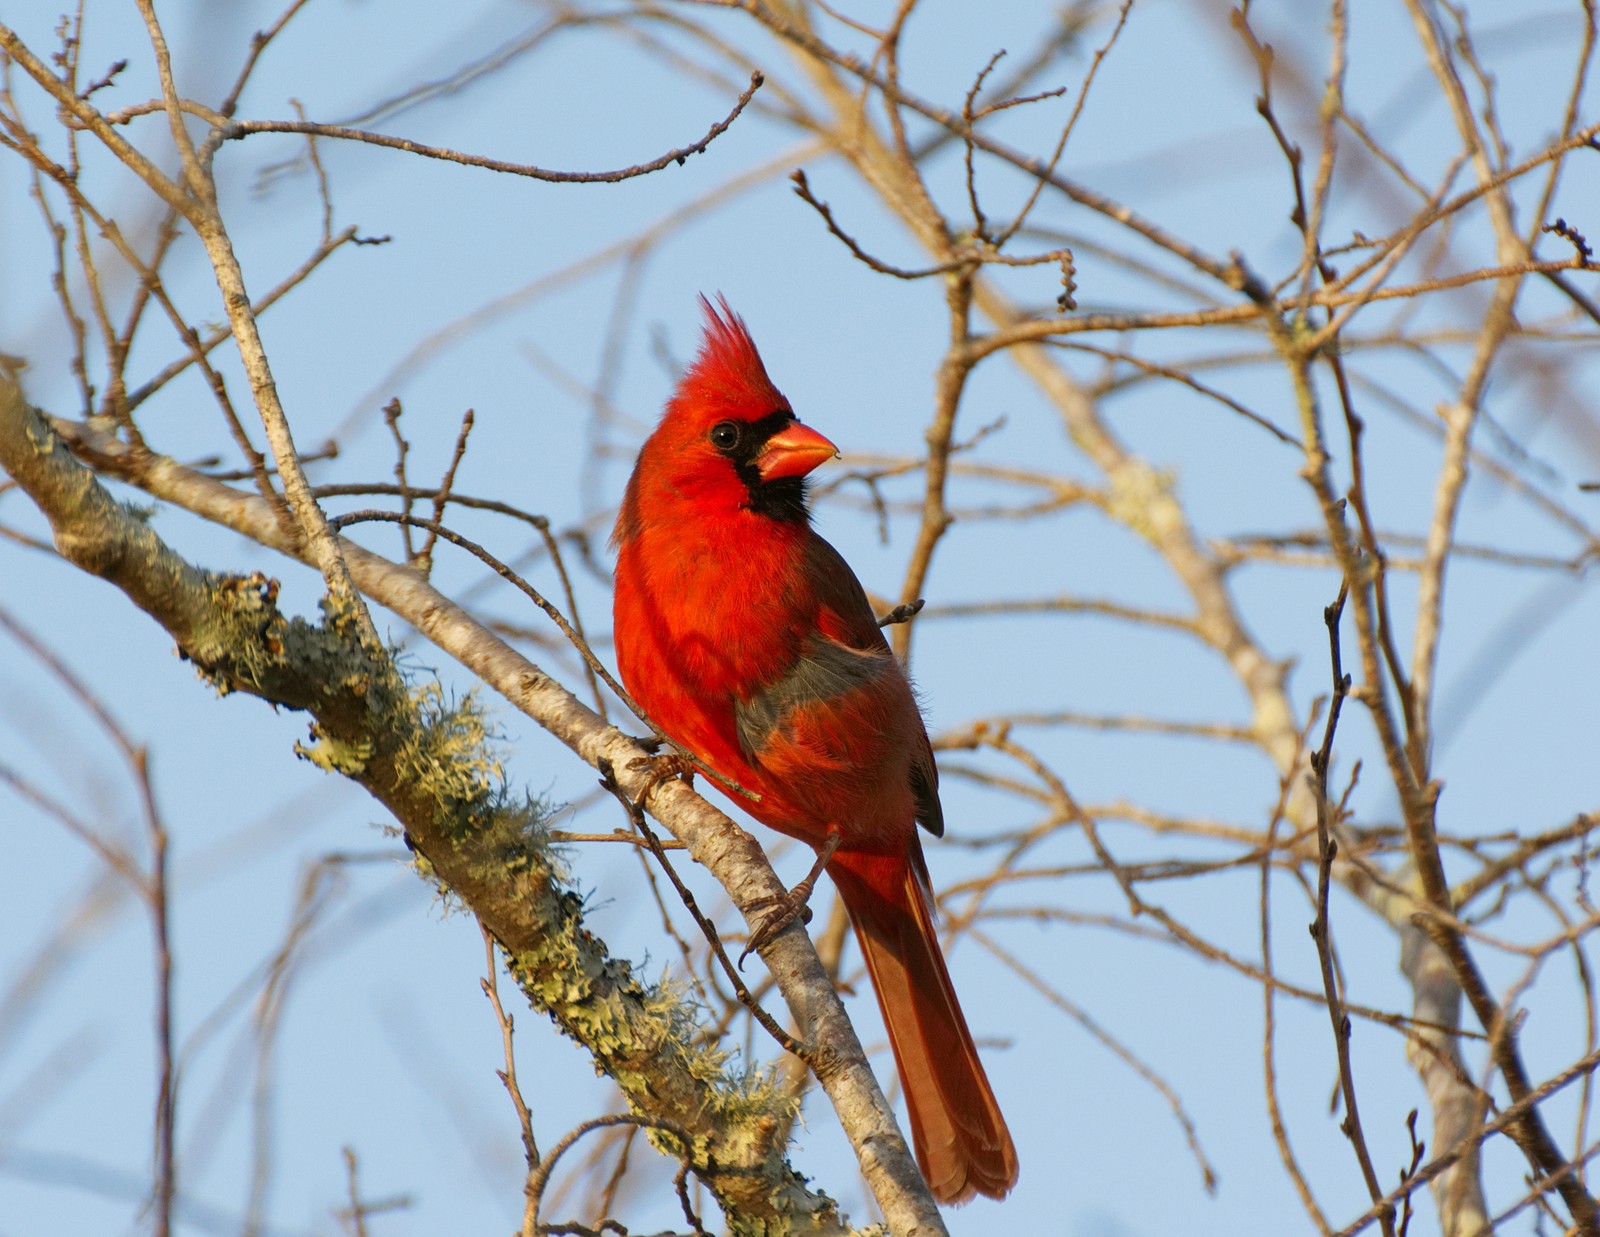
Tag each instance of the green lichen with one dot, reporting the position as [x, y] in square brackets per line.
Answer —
[449, 751]
[637, 1032]
[483, 837]
[336, 755]
[248, 643]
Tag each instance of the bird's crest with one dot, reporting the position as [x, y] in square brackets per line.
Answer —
[727, 378]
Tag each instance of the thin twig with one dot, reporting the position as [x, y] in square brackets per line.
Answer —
[1321, 929]
[508, 1078]
[641, 823]
[236, 130]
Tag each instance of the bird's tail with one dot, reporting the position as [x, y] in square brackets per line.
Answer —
[961, 1140]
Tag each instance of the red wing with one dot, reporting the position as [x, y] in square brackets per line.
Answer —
[843, 612]
[845, 615]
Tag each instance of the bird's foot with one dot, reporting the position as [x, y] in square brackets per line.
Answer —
[664, 766]
[777, 913]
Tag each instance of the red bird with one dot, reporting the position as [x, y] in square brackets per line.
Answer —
[749, 641]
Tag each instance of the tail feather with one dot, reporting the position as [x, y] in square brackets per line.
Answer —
[961, 1140]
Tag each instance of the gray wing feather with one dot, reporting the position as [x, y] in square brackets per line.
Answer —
[824, 670]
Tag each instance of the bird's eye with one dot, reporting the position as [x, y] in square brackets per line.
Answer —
[725, 435]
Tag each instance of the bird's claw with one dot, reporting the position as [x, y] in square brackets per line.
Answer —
[783, 910]
[662, 767]
[777, 913]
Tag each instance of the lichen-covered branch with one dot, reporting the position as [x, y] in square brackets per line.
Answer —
[432, 766]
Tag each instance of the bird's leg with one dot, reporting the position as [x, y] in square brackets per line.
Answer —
[783, 910]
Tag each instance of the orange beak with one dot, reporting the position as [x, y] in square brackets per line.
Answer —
[793, 452]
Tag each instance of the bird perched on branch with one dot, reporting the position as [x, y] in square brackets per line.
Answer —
[749, 641]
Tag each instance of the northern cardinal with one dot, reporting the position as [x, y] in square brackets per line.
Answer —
[749, 641]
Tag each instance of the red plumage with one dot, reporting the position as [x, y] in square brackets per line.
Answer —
[747, 638]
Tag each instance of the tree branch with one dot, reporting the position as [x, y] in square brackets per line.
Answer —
[415, 757]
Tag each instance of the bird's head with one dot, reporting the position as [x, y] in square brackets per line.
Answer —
[728, 434]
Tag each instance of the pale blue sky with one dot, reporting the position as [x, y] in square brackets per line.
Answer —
[387, 1045]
